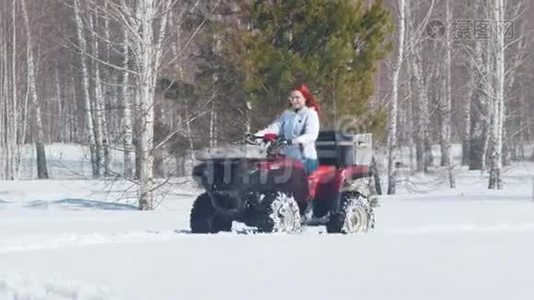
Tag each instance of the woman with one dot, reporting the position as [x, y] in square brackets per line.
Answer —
[299, 125]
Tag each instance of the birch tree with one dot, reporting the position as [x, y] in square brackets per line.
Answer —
[126, 117]
[393, 105]
[417, 20]
[145, 37]
[447, 105]
[42, 169]
[13, 126]
[497, 105]
[478, 108]
[421, 111]
[4, 105]
[491, 76]
[148, 48]
[99, 106]
[95, 157]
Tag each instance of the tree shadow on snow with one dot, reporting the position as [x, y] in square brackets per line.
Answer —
[79, 204]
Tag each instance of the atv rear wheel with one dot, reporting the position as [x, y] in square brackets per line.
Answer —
[279, 213]
[355, 215]
[205, 219]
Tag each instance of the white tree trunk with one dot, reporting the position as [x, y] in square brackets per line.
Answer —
[14, 141]
[102, 144]
[495, 180]
[421, 116]
[478, 109]
[467, 124]
[393, 106]
[42, 170]
[61, 122]
[146, 104]
[4, 106]
[487, 138]
[10, 123]
[95, 159]
[147, 51]
[446, 133]
[127, 124]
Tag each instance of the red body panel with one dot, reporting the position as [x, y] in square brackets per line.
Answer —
[327, 181]
[355, 172]
[281, 161]
[324, 181]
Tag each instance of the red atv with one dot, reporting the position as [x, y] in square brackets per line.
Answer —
[263, 188]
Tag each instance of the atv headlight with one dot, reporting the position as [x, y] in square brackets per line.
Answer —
[253, 171]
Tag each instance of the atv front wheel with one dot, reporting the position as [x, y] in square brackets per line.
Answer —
[355, 215]
[279, 213]
[204, 218]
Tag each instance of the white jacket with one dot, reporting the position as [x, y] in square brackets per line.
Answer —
[302, 127]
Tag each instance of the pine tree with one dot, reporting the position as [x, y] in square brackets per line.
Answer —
[333, 46]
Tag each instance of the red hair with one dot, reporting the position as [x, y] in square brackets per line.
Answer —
[310, 99]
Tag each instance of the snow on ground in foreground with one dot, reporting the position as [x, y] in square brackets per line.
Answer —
[77, 239]
[17, 287]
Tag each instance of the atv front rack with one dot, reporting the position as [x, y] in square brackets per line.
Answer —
[232, 152]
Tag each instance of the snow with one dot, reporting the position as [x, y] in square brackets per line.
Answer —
[84, 239]
[17, 287]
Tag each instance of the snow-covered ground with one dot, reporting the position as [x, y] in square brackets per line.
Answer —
[84, 239]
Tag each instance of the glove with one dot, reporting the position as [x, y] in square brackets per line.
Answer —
[270, 137]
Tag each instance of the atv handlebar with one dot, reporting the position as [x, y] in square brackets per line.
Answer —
[267, 138]
[274, 143]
